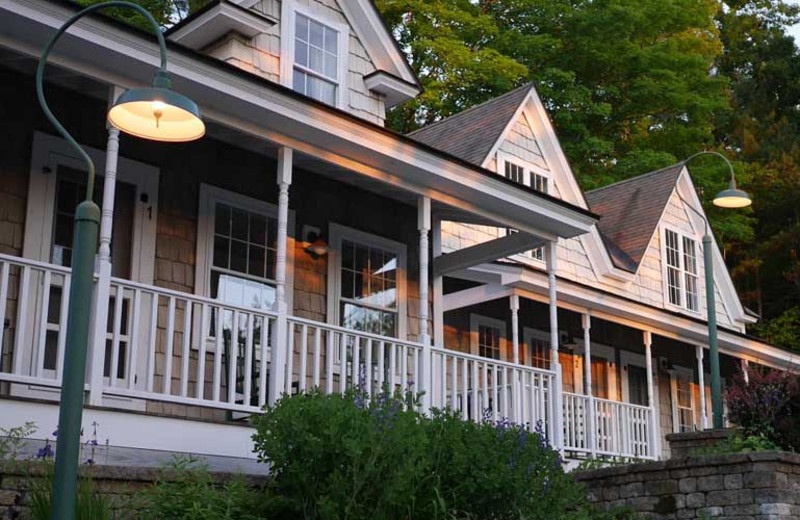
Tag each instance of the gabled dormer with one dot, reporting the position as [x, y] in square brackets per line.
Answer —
[338, 52]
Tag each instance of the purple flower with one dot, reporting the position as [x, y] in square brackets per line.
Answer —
[45, 452]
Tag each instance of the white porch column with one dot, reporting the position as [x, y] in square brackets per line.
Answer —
[746, 371]
[424, 226]
[655, 431]
[279, 380]
[102, 289]
[516, 409]
[701, 381]
[591, 429]
[551, 253]
[438, 285]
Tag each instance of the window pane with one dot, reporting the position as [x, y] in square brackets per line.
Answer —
[256, 261]
[315, 59]
[238, 256]
[299, 81]
[315, 30]
[258, 229]
[239, 291]
[301, 53]
[301, 27]
[239, 224]
[331, 41]
[221, 251]
[222, 219]
[330, 66]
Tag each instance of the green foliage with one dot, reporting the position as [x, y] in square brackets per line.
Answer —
[12, 440]
[187, 491]
[783, 330]
[737, 442]
[347, 456]
[89, 504]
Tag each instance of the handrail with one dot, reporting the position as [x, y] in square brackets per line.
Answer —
[500, 362]
[344, 330]
[609, 401]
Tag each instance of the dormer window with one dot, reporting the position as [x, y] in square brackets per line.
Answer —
[316, 59]
[529, 176]
[681, 276]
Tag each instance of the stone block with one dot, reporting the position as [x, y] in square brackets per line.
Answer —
[733, 481]
[695, 500]
[729, 497]
[710, 483]
[633, 489]
[710, 512]
[661, 487]
[687, 485]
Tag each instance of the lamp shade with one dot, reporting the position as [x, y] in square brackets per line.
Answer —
[733, 197]
[157, 113]
[318, 247]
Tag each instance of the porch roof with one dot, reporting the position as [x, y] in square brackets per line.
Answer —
[273, 115]
[501, 279]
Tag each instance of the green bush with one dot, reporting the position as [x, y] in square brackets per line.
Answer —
[187, 491]
[89, 505]
[349, 457]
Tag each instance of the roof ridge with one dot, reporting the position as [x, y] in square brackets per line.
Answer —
[528, 85]
[637, 177]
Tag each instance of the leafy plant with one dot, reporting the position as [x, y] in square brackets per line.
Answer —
[89, 504]
[12, 439]
[355, 457]
[738, 443]
[187, 491]
[766, 407]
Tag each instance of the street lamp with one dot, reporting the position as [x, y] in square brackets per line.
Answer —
[729, 198]
[153, 113]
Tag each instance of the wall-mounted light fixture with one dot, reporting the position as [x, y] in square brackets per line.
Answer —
[317, 246]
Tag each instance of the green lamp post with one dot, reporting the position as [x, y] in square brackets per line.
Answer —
[155, 113]
[729, 198]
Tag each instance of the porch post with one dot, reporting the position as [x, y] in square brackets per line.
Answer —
[278, 357]
[551, 253]
[424, 226]
[701, 381]
[591, 430]
[438, 285]
[515, 387]
[102, 290]
[655, 433]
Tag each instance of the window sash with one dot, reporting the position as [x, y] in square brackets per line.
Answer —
[489, 337]
[682, 277]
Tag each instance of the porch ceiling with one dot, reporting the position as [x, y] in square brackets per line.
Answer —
[335, 143]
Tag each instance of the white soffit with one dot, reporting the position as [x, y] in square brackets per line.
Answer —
[218, 20]
[394, 89]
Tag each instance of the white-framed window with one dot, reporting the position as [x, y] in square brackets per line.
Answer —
[487, 337]
[237, 248]
[367, 282]
[314, 51]
[681, 279]
[634, 378]
[683, 401]
[529, 175]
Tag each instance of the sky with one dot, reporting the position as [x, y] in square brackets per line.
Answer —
[795, 30]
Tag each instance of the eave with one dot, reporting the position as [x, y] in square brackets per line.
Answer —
[215, 20]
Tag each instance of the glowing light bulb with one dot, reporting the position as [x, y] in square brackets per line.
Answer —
[158, 111]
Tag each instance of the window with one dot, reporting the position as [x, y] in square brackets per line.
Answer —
[316, 59]
[684, 403]
[368, 300]
[540, 352]
[600, 377]
[637, 385]
[367, 282]
[487, 336]
[528, 177]
[681, 270]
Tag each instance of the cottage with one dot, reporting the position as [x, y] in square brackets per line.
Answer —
[301, 244]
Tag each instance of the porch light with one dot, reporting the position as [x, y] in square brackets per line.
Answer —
[154, 113]
[730, 198]
[318, 247]
[157, 113]
[733, 197]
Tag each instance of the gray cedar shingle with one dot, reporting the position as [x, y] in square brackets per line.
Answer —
[630, 211]
[470, 135]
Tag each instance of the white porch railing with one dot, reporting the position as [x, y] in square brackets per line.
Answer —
[620, 429]
[481, 388]
[167, 346]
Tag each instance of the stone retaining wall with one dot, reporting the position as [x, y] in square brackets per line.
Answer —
[740, 486]
[121, 485]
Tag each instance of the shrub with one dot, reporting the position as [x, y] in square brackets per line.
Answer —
[346, 456]
[187, 491]
[89, 504]
[767, 407]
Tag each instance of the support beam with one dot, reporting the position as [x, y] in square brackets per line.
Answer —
[701, 381]
[591, 429]
[551, 255]
[102, 290]
[655, 430]
[438, 285]
[490, 251]
[279, 380]
[424, 226]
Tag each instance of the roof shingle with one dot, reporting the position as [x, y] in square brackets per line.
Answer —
[470, 135]
[630, 211]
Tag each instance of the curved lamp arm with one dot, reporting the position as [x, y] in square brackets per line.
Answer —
[711, 152]
[160, 76]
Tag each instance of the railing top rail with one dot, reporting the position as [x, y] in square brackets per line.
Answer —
[499, 362]
[607, 401]
[188, 296]
[34, 263]
[344, 330]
